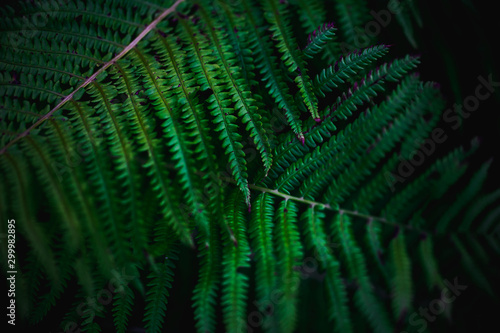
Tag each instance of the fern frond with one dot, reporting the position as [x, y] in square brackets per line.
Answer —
[331, 163]
[317, 239]
[429, 263]
[349, 179]
[122, 308]
[489, 222]
[370, 86]
[346, 67]
[266, 62]
[205, 292]
[289, 253]
[401, 281]
[445, 167]
[477, 208]
[235, 258]
[157, 295]
[262, 245]
[175, 136]
[195, 124]
[405, 17]
[63, 144]
[318, 38]
[290, 55]
[465, 197]
[364, 297]
[38, 152]
[312, 15]
[202, 64]
[345, 105]
[37, 237]
[475, 272]
[238, 90]
[352, 16]
[133, 135]
[57, 287]
[239, 35]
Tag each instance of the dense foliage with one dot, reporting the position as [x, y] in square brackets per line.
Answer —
[302, 168]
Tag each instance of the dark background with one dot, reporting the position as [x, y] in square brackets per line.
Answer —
[458, 43]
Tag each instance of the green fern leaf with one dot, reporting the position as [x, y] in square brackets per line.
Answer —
[317, 239]
[276, 16]
[364, 296]
[289, 252]
[318, 38]
[122, 307]
[157, 295]
[346, 67]
[402, 280]
[235, 258]
[262, 245]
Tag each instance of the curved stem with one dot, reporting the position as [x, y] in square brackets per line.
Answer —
[92, 78]
[329, 207]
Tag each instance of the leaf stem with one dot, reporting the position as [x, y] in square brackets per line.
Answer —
[329, 207]
[120, 55]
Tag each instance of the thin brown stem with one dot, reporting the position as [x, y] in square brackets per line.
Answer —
[92, 78]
